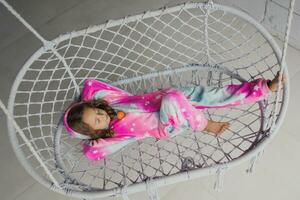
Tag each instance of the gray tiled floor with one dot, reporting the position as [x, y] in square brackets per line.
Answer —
[276, 176]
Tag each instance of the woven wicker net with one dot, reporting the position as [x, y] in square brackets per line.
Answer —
[190, 44]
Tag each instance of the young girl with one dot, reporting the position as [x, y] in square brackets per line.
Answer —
[108, 118]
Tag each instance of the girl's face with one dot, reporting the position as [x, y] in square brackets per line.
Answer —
[96, 118]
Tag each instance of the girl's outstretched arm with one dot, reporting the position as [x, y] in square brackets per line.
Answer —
[229, 95]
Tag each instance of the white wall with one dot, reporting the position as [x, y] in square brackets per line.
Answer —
[273, 15]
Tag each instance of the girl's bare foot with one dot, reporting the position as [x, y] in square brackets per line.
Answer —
[216, 128]
[274, 84]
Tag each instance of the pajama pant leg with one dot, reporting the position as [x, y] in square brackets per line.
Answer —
[229, 95]
[176, 113]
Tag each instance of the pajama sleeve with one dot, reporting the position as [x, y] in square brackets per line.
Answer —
[229, 95]
[95, 89]
[177, 113]
[101, 148]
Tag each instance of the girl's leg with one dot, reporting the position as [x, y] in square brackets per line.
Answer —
[229, 95]
[176, 113]
[210, 97]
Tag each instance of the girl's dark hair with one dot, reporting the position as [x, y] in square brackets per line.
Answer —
[74, 118]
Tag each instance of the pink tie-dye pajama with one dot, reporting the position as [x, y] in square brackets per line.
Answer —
[163, 113]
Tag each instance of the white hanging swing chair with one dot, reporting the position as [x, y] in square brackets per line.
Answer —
[189, 44]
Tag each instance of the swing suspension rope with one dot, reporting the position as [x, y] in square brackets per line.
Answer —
[283, 56]
[150, 186]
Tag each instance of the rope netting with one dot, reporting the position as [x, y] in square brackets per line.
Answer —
[190, 44]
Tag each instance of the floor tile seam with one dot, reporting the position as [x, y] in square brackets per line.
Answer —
[26, 189]
[39, 27]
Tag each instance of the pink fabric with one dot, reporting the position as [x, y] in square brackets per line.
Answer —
[143, 123]
[156, 113]
[244, 93]
[182, 110]
[253, 91]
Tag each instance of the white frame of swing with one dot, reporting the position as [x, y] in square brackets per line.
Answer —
[160, 181]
